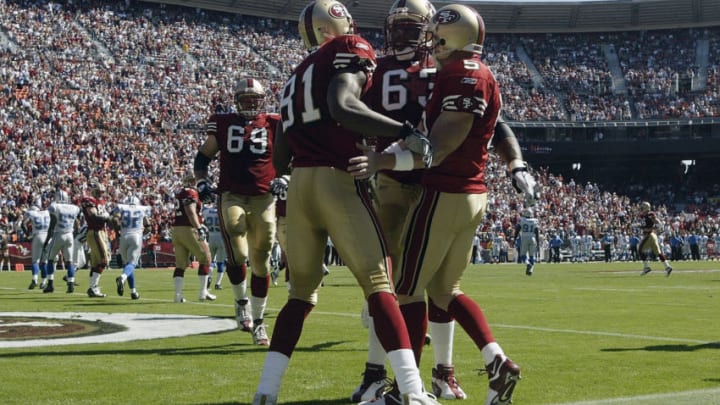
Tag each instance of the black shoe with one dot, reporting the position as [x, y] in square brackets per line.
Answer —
[70, 288]
[373, 385]
[95, 294]
[134, 296]
[74, 282]
[120, 286]
[33, 284]
[49, 287]
[218, 287]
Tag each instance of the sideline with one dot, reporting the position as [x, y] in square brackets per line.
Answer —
[139, 327]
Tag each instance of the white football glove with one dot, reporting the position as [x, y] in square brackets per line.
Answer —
[417, 142]
[279, 187]
[523, 182]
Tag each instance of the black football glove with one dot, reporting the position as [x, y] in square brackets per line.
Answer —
[204, 191]
[417, 142]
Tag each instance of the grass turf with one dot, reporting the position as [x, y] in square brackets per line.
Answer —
[595, 333]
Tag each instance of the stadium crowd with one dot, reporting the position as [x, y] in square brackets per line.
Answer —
[119, 92]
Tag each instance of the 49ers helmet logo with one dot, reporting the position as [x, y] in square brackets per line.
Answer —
[337, 11]
[447, 17]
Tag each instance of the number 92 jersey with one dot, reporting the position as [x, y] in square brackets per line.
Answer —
[245, 151]
[314, 137]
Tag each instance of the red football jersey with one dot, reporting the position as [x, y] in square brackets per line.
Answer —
[400, 90]
[87, 203]
[183, 197]
[245, 151]
[465, 85]
[649, 220]
[316, 139]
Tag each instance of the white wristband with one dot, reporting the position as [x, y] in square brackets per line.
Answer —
[393, 148]
[404, 161]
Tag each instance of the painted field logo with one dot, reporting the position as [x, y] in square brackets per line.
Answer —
[33, 329]
[21, 328]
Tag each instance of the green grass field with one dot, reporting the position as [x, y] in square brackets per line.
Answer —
[583, 334]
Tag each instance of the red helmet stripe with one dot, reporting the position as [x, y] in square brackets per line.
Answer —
[481, 28]
[308, 25]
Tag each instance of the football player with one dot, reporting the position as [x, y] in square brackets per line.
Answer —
[246, 208]
[64, 221]
[131, 219]
[528, 231]
[401, 85]
[37, 223]
[188, 238]
[461, 117]
[649, 221]
[323, 120]
[96, 219]
[218, 254]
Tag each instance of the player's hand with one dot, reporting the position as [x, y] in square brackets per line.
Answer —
[204, 191]
[417, 142]
[202, 232]
[279, 187]
[523, 182]
[366, 165]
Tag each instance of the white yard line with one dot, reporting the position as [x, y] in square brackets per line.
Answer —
[602, 333]
[706, 396]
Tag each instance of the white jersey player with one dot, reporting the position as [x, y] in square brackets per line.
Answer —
[529, 236]
[64, 220]
[218, 254]
[37, 221]
[131, 219]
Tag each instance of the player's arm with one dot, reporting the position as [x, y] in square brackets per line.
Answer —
[506, 144]
[51, 230]
[205, 154]
[190, 209]
[347, 108]
[507, 147]
[281, 151]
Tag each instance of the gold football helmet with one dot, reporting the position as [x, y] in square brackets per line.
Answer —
[645, 206]
[404, 26]
[249, 97]
[456, 28]
[322, 20]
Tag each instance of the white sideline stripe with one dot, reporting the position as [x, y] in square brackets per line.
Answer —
[706, 396]
[600, 333]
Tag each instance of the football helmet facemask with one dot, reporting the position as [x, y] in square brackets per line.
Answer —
[323, 20]
[404, 26]
[455, 28]
[249, 97]
[645, 206]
